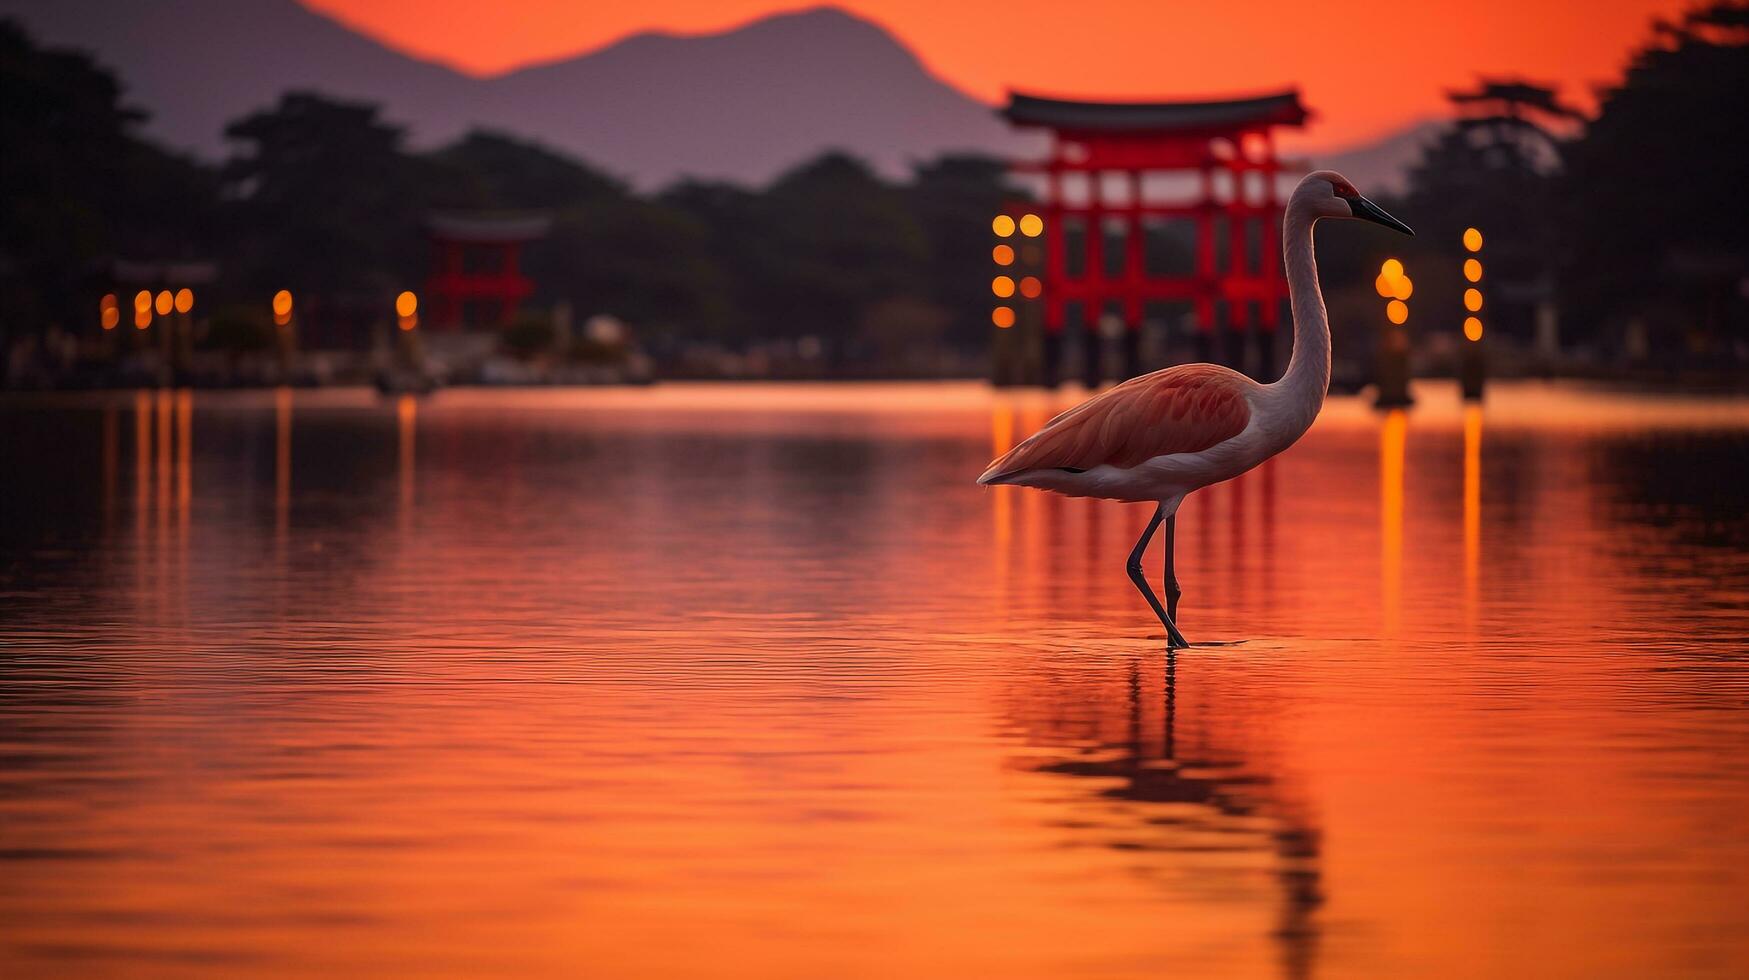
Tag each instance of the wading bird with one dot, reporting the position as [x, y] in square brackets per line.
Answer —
[1163, 435]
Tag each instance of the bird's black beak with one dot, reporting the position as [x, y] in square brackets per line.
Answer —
[1368, 211]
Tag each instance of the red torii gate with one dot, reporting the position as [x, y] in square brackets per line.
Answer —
[1104, 156]
[476, 276]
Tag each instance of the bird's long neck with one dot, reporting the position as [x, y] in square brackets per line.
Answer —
[1307, 378]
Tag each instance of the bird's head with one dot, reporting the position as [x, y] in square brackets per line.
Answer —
[1329, 195]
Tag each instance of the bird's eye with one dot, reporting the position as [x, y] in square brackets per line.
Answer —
[1343, 189]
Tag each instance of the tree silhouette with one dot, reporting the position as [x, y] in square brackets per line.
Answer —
[954, 199]
[487, 169]
[324, 202]
[848, 242]
[1656, 194]
[1496, 169]
[79, 189]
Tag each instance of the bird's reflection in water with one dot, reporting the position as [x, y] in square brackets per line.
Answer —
[1194, 802]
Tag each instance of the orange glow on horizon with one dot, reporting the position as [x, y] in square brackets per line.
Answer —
[1106, 48]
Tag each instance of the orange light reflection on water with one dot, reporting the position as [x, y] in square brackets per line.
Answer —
[1393, 438]
[407, 416]
[1472, 505]
[282, 462]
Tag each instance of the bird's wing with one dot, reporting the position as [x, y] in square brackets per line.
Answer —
[1183, 409]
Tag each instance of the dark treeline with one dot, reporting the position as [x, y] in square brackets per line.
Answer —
[78, 187]
[1634, 220]
[322, 197]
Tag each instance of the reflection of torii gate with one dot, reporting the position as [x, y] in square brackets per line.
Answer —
[1114, 219]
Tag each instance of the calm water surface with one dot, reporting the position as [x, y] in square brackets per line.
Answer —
[753, 681]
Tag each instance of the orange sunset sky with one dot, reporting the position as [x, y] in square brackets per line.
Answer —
[1367, 66]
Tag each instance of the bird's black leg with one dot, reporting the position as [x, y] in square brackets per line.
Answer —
[1173, 637]
[1171, 584]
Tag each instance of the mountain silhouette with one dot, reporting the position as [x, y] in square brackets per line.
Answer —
[741, 105]
[195, 65]
[748, 103]
[1382, 166]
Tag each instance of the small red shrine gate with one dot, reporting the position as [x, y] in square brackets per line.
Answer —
[476, 276]
[1121, 178]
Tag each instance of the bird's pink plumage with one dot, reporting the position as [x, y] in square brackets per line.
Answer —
[1184, 409]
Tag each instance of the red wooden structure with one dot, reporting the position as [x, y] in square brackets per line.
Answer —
[476, 276]
[1159, 202]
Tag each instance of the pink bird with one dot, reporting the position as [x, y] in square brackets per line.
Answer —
[1163, 435]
